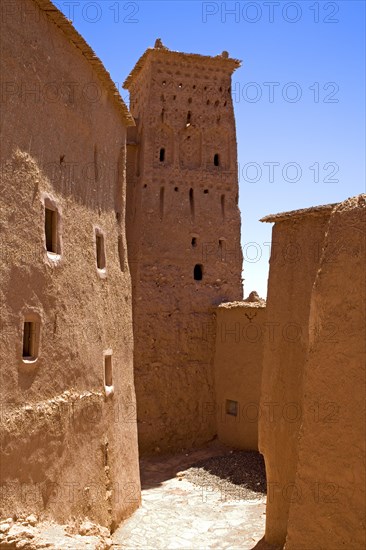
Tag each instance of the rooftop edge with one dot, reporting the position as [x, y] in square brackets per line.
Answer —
[291, 214]
[66, 26]
[159, 49]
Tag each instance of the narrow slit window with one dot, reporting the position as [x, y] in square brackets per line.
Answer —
[221, 248]
[108, 374]
[30, 341]
[194, 242]
[198, 272]
[231, 407]
[162, 154]
[223, 206]
[162, 191]
[28, 338]
[51, 230]
[216, 159]
[100, 250]
[191, 202]
[189, 116]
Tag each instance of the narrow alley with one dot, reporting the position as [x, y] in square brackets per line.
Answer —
[189, 501]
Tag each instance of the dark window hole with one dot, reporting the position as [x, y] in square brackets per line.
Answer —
[198, 272]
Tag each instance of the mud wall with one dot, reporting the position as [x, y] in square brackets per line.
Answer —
[240, 334]
[328, 511]
[296, 246]
[67, 448]
[182, 222]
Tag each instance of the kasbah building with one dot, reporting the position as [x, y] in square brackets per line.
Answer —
[122, 335]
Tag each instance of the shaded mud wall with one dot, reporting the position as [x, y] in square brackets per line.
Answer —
[328, 511]
[240, 334]
[67, 449]
[182, 222]
[296, 246]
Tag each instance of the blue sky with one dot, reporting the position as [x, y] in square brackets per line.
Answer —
[298, 97]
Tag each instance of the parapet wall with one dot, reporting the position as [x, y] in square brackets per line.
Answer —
[328, 508]
[295, 254]
[313, 433]
[240, 334]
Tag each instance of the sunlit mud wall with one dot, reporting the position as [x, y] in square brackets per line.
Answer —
[68, 423]
[297, 242]
[240, 334]
[328, 505]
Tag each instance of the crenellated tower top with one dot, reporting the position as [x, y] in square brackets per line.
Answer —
[163, 54]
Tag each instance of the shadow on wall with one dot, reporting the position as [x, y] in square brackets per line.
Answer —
[263, 545]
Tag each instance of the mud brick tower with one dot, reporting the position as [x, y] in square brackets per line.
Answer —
[183, 232]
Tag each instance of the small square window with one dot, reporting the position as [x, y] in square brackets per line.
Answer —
[108, 376]
[100, 249]
[30, 341]
[231, 407]
[198, 272]
[51, 227]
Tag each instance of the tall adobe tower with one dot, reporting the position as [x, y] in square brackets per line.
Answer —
[183, 232]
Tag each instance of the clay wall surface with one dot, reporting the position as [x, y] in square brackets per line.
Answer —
[67, 448]
[329, 508]
[240, 334]
[182, 211]
[296, 246]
